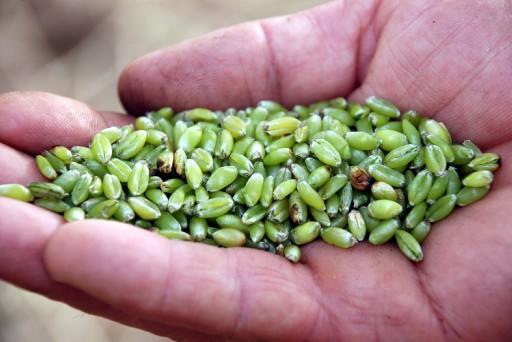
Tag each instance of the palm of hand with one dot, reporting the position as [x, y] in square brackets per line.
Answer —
[445, 59]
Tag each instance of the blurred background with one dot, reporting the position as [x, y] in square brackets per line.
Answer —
[77, 49]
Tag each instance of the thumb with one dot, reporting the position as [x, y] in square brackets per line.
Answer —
[292, 59]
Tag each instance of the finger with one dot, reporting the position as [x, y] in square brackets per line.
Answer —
[34, 121]
[17, 167]
[299, 58]
[446, 66]
[22, 239]
[24, 233]
[238, 293]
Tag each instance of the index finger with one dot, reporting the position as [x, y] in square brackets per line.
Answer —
[293, 59]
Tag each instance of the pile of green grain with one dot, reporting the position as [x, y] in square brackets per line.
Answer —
[269, 178]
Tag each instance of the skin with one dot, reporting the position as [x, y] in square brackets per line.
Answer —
[447, 59]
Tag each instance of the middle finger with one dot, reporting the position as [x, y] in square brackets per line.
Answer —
[35, 121]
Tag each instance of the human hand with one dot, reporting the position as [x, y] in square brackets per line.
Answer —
[448, 59]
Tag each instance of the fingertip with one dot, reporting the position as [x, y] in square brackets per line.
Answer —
[34, 121]
[91, 253]
[18, 167]
[73, 239]
[209, 71]
[23, 213]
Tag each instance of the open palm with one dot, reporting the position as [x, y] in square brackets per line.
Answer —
[450, 60]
